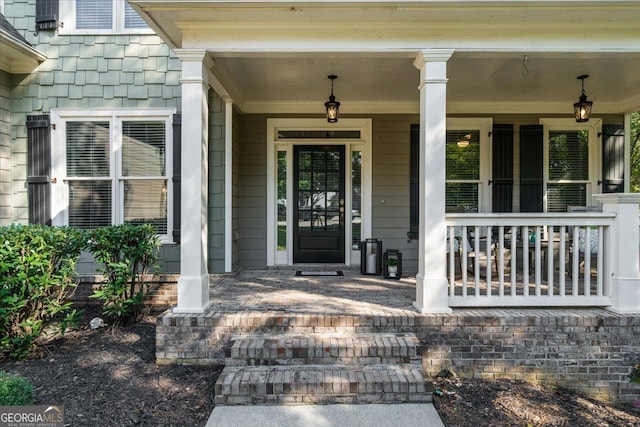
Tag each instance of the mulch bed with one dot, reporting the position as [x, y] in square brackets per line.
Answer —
[478, 402]
[108, 377]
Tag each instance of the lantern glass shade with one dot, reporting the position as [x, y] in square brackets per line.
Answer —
[332, 106]
[582, 108]
[333, 109]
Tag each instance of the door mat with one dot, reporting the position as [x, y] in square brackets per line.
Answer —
[319, 273]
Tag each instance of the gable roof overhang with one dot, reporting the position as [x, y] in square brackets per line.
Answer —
[510, 55]
[18, 56]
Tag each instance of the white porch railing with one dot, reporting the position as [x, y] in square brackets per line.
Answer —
[532, 260]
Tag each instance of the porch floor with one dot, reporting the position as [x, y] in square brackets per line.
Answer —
[354, 294]
[282, 291]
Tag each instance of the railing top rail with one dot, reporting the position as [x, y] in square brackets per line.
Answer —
[531, 219]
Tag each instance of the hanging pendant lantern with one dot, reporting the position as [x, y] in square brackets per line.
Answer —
[332, 106]
[582, 108]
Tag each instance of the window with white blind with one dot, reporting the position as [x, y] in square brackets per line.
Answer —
[571, 162]
[463, 169]
[100, 17]
[467, 164]
[114, 169]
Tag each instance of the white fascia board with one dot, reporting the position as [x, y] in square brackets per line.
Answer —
[375, 36]
[17, 57]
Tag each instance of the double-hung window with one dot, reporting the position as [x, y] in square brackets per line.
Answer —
[570, 162]
[467, 168]
[467, 149]
[100, 17]
[112, 168]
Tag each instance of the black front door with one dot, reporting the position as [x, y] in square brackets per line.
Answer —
[318, 230]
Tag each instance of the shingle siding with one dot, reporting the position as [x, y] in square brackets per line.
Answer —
[81, 71]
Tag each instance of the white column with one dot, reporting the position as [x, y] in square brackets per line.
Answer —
[431, 281]
[623, 250]
[228, 185]
[193, 284]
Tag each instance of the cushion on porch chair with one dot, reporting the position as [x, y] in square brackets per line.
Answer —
[593, 243]
[582, 235]
[582, 238]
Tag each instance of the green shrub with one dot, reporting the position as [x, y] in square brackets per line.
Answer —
[37, 267]
[127, 253]
[635, 374]
[15, 390]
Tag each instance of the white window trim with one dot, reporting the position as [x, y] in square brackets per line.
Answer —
[59, 188]
[594, 126]
[485, 126]
[67, 11]
[352, 257]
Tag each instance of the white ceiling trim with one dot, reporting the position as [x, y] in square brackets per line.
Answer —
[455, 107]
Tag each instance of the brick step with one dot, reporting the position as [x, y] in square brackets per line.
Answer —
[319, 349]
[321, 384]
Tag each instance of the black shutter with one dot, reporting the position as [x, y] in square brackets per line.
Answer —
[531, 168]
[414, 184]
[177, 174]
[613, 159]
[46, 15]
[39, 169]
[502, 174]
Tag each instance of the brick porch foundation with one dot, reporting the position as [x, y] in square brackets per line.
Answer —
[591, 350]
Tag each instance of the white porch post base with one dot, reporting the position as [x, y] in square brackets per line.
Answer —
[193, 294]
[623, 250]
[431, 295]
[626, 295]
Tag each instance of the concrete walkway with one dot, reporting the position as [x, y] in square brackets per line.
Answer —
[379, 415]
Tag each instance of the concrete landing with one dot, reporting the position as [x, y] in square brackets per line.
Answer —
[379, 415]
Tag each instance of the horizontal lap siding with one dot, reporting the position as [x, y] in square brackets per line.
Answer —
[216, 183]
[236, 138]
[251, 209]
[5, 149]
[390, 202]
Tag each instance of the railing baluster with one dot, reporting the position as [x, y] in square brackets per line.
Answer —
[489, 252]
[600, 275]
[549, 266]
[514, 267]
[538, 261]
[561, 261]
[587, 261]
[452, 257]
[465, 245]
[525, 260]
[501, 261]
[476, 260]
[575, 261]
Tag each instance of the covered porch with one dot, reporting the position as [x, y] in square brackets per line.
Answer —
[445, 68]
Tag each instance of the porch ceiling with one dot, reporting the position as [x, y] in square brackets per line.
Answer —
[274, 57]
